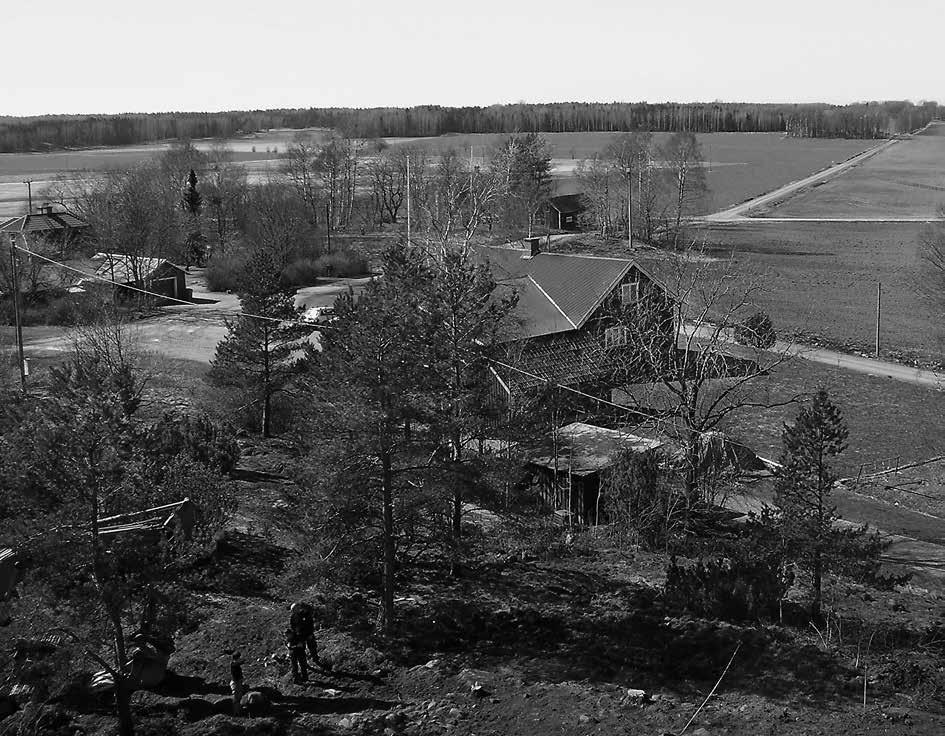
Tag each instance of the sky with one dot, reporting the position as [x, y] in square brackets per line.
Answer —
[107, 56]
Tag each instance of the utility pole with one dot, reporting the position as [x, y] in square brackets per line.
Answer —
[630, 208]
[14, 273]
[408, 199]
[29, 194]
[879, 309]
[328, 225]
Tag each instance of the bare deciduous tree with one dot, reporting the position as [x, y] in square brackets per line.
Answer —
[675, 356]
[683, 159]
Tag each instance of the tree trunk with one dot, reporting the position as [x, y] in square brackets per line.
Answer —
[266, 412]
[817, 584]
[122, 691]
[457, 507]
[267, 397]
[387, 490]
[126, 726]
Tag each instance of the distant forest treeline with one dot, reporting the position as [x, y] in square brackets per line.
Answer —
[816, 120]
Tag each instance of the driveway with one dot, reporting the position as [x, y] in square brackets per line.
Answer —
[855, 363]
[183, 331]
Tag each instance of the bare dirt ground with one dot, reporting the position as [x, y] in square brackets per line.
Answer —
[543, 640]
[181, 332]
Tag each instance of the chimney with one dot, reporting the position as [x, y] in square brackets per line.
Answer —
[533, 246]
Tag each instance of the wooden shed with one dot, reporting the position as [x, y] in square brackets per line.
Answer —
[568, 476]
[154, 275]
[564, 211]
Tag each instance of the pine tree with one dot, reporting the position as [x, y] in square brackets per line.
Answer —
[804, 486]
[265, 347]
[195, 246]
[466, 326]
[363, 394]
[193, 201]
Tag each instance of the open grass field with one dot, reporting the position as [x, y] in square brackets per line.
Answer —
[740, 165]
[258, 152]
[906, 180]
[887, 419]
[820, 282]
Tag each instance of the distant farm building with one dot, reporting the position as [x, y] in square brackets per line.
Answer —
[152, 275]
[62, 228]
[564, 211]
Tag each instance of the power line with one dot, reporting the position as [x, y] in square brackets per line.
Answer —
[318, 327]
[96, 277]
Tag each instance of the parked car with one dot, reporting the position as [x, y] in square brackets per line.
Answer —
[319, 315]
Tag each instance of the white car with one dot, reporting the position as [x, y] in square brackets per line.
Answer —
[319, 315]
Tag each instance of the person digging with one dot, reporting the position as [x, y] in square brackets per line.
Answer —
[302, 620]
[237, 686]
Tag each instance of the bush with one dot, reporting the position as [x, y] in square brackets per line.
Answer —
[756, 331]
[301, 272]
[195, 438]
[342, 264]
[224, 273]
[639, 502]
[747, 580]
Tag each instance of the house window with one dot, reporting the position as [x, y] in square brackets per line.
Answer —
[630, 293]
[615, 337]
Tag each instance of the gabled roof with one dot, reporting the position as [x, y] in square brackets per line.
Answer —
[568, 204]
[43, 223]
[562, 291]
[123, 268]
[584, 449]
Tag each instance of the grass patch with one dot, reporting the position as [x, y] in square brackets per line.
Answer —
[905, 180]
[223, 273]
[742, 165]
[887, 418]
[820, 280]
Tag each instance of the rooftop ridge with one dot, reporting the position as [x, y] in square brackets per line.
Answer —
[553, 302]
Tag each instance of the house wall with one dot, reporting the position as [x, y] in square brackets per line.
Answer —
[577, 493]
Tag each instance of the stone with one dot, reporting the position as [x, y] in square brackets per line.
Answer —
[345, 723]
[255, 703]
[223, 706]
[195, 709]
[8, 706]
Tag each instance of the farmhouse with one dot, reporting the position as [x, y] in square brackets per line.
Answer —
[155, 275]
[62, 228]
[565, 324]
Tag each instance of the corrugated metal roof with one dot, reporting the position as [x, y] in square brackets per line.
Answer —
[535, 314]
[44, 222]
[586, 448]
[123, 269]
[572, 285]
